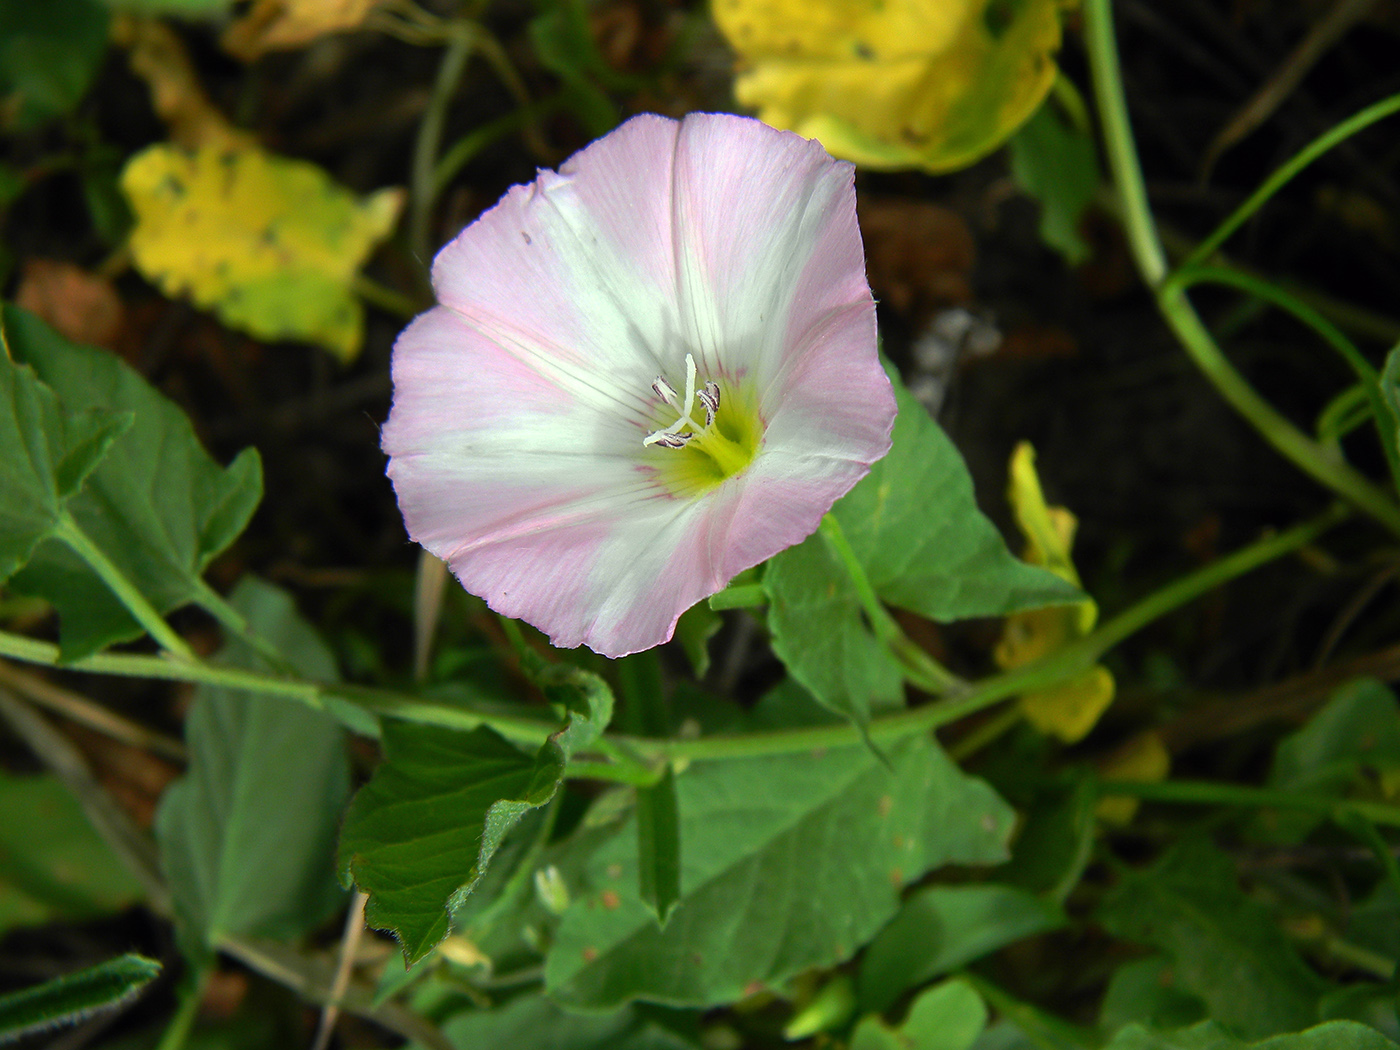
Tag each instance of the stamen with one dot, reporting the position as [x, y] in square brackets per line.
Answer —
[667, 440]
[665, 392]
[709, 396]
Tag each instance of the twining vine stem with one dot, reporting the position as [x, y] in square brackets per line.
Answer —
[1061, 665]
[1309, 456]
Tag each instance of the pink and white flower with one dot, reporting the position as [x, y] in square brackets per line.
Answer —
[647, 373]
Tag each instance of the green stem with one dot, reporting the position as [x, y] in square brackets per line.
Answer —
[233, 621]
[1061, 665]
[1200, 792]
[1118, 138]
[314, 694]
[996, 727]
[1365, 372]
[183, 1022]
[920, 669]
[136, 603]
[463, 40]
[636, 776]
[1176, 309]
[1039, 1026]
[1366, 831]
[390, 300]
[473, 142]
[1309, 153]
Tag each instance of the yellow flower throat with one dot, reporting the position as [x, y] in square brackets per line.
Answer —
[701, 456]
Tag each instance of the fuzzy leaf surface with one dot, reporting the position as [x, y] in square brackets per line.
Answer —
[247, 836]
[75, 997]
[419, 836]
[46, 453]
[157, 504]
[790, 862]
[914, 526]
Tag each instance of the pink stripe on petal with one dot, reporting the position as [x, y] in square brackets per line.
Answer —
[581, 583]
[752, 205]
[830, 379]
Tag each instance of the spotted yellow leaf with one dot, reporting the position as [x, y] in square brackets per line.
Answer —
[270, 244]
[1143, 759]
[931, 84]
[1070, 709]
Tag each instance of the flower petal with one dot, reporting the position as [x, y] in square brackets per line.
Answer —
[520, 404]
[574, 272]
[766, 239]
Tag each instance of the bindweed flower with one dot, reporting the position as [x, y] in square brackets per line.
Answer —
[647, 373]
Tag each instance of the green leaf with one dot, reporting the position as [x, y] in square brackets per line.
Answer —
[52, 864]
[157, 505]
[1335, 1035]
[1056, 163]
[941, 928]
[1145, 990]
[949, 1016]
[1357, 731]
[791, 862]
[1375, 922]
[247, 836]
[75, 997]
[659, 846]
[562, 39]
[420, 834]
[694, 629]
[819, 632]
[533, 1021]
[1227, 948]
[49, 54]
[583, 699]
[1056, 838]
[46, 453]
[914, 526]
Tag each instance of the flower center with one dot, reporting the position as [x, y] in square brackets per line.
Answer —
[703, 455]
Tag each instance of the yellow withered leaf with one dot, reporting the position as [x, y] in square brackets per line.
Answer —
[931, 84]
[270, 244]
[1071, 709]
[272, 25]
